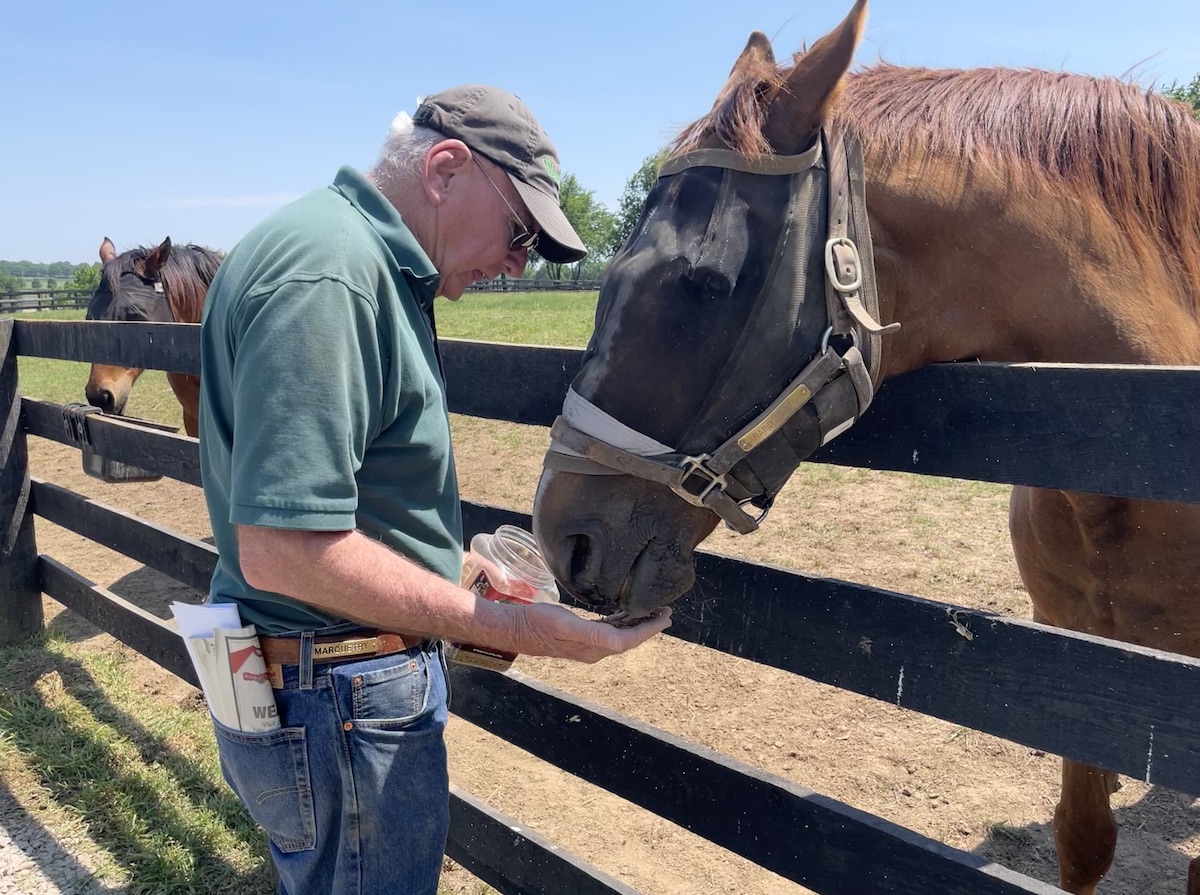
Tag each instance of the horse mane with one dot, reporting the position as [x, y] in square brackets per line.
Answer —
[186, 275]
[1137, 152]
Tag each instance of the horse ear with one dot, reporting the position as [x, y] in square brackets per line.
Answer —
[108, 251]
[803, 103]
[758, 51]
[157, 258]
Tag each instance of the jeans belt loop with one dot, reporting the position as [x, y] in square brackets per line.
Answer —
[306, 659]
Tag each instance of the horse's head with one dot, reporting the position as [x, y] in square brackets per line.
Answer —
[130, 290]
[131, 285]
[723, 352]
[159, 285]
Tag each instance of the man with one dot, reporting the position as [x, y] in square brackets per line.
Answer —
[327, 468]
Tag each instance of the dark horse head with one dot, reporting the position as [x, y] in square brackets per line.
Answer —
[734, 336]
[159, 285]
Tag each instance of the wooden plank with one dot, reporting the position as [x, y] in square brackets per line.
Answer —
[174, 347]
[811, 839]
[184, 559]
[1131, 709]
[1049, 425]
[20, 591]
[151, 636]
[518, 383]
[163, 453]
[514, 859]
[1123, 430]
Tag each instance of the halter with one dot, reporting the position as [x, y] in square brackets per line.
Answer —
[838, 384]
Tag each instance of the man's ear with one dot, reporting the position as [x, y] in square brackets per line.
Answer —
[444, 162]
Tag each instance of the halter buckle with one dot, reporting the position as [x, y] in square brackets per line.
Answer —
[709, 480]
[852, 264]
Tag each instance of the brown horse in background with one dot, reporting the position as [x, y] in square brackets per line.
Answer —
[163, 284]
[1015, 216]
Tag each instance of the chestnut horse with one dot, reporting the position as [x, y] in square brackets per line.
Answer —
[163, 284]
[996, 214]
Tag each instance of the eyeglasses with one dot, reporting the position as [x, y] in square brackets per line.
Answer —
[524, 238]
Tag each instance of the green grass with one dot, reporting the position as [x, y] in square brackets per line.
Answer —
[127, 781]
[533, 318]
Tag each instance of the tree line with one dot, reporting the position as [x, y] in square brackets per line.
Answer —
[22, 276]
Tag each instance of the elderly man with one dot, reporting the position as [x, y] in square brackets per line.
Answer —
[330, 482]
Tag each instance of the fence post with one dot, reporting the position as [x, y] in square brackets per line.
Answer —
[20, 586]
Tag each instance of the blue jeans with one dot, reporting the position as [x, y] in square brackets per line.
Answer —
[352, 790]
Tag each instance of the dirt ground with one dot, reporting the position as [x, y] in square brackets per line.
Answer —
[939, 539]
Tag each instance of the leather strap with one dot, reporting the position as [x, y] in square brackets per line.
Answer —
[367, 645]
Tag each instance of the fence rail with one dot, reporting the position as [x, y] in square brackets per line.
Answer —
[44, 300]
[77, 299]
[1134, 710]
[520, 284]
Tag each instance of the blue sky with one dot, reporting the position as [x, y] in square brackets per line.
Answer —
[138, 121]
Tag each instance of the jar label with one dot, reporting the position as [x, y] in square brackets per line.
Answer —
[483, 656]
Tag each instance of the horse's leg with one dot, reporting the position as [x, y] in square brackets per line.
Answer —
[1048, 546]
[1193, 883]
[187, 391]
[1085, 833]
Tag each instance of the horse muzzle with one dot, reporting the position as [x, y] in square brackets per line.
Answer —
[620, 543]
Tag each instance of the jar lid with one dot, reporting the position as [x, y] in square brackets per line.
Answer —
[517, 549]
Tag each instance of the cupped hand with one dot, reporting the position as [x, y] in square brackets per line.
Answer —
[546, 629]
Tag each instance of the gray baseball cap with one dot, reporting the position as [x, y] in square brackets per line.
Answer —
[501, 128]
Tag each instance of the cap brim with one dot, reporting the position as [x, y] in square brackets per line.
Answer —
[558, 242]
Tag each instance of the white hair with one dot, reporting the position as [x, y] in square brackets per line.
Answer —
[403, 152]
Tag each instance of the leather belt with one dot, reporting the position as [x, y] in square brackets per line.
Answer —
[286, 650]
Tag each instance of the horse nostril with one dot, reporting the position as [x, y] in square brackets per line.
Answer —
[105, 400]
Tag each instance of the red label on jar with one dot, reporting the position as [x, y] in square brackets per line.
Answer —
[482, 586]
[483, 656]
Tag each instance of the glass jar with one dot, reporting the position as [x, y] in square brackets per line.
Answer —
[505, 567]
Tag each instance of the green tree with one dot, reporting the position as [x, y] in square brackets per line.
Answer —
[591, 220]
[86, 276]
[1189, 94]
[35, 284]
[637, 188]
[9, 283]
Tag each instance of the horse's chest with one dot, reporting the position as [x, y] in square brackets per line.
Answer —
[1118, 568]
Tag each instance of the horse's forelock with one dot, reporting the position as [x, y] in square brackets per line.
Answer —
[738, 114]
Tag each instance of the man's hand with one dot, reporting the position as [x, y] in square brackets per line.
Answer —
[546, 629]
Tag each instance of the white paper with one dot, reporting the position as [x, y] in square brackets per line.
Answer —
[200, 620]
[229, 663]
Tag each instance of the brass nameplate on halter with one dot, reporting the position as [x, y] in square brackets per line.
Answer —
[344, 648]
[773, 421]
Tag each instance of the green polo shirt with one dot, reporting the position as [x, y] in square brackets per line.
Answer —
[322, 401]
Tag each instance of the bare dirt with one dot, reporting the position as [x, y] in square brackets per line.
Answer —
[934, 538]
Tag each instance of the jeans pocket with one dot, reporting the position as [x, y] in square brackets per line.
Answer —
[394, 696]
[269, 772]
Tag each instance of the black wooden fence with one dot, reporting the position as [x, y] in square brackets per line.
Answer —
[44, 300]
[1115, 430]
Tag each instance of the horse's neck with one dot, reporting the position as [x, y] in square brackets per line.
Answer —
[972, 268]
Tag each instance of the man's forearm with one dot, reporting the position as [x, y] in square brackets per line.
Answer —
[350, 575]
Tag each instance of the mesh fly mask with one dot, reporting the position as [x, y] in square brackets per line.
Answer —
[821, 282]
